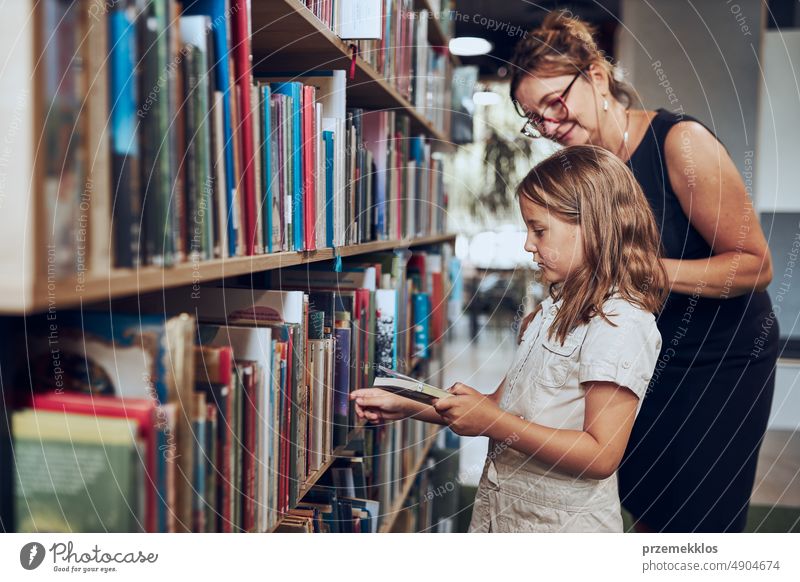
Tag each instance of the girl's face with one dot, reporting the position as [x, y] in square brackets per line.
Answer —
[556, 245]
[578, 121]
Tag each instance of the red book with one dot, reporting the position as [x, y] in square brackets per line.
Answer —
[243, 79]
[416, 263]
[438, 307]
[309, 168]
[361, 307]
[226, 460]
[142, 411]
[250, 416]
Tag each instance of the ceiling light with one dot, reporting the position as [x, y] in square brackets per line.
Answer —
[486, 98]
[469, 46]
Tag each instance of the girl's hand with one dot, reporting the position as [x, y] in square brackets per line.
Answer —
[468, 412]
[377, 405]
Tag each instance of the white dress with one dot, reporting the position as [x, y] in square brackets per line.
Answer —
[519, 494]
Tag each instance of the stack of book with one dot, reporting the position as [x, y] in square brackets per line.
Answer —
[180, 155]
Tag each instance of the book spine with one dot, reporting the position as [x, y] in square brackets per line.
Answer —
[341, 386]
[124, 124]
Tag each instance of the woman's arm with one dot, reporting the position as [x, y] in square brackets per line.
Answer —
[594, 452]
[713, 196]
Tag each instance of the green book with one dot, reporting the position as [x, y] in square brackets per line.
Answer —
[76, 473]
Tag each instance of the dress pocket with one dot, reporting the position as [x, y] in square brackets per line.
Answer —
[557, 361]
[518, 515]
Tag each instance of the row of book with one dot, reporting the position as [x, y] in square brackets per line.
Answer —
[399, 52]
[159, 136]
[357, 494]
[433, 503]
[217, 419]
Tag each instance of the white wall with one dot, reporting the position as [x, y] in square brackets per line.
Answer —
[778, 153]
[785, 413]
[708, 54]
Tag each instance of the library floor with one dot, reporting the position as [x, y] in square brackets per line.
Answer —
[482, 362]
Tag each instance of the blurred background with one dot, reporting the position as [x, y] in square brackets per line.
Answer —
[731, 64]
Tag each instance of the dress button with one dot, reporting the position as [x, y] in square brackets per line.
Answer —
[626, 364]
[553, 310]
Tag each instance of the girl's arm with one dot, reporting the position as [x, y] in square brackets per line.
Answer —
[594, 452]
[713, 196]
[376, 405]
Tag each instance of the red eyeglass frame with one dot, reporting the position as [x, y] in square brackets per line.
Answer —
[534, 118]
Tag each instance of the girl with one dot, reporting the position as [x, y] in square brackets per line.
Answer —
[559, 422]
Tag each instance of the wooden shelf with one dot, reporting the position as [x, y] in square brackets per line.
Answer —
[285, 31]
[133, 282]
[397, 504]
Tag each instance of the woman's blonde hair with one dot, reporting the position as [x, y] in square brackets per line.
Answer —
[589, 186]
[564, 45]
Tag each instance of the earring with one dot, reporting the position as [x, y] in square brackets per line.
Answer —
[605, 104]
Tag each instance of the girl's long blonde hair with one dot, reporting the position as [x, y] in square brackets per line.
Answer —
[589, 186]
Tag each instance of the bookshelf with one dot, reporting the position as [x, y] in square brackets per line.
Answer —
[286, 30]
[122, 283]
[436, 33]
[306, 486]
[284, 33]
[397, 505]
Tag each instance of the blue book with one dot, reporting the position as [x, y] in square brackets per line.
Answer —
[123, 121]
[219, 13]
[266, 167]
[341, 386]
[422, 312]
[327, 136]
[294, 91]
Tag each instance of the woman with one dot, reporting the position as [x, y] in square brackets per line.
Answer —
[691, 459]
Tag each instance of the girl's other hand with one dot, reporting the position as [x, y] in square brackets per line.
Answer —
[377, 405]
[468, 412]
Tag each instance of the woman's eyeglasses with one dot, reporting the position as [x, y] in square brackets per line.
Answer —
[555, 112]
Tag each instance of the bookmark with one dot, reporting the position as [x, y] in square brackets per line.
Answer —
[337, 261]
[354, 48]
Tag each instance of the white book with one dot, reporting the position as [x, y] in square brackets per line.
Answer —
[359, 19]
[408, 387]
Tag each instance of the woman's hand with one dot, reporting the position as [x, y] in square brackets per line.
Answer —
[468, 412]
[377, 405]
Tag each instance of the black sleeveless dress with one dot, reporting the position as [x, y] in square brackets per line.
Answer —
[691, 459]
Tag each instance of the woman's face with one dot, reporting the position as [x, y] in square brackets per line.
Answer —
[539, 94]
[556, 245]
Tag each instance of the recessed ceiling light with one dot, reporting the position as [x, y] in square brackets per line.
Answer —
[486, 98]
[469, 46]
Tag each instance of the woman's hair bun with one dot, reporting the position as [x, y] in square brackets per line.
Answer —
[569, 35]
[563, 44]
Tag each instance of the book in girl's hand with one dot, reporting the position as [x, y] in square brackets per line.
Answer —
[408, 387]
